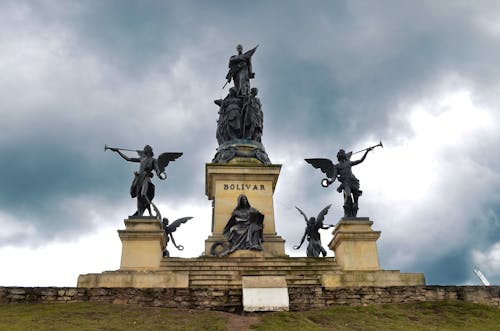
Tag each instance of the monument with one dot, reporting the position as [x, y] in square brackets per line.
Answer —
[241, 164]
[244, 253]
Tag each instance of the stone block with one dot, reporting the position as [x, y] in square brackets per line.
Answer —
[264, 293]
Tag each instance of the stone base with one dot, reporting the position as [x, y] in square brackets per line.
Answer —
[265, 293]
[273, 245]
[379, 278]
[136, 279]
[230, 272]
[355, 244]
[143, 241]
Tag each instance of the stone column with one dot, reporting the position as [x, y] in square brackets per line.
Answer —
[143, 241]
[355, 244]
[225, 182]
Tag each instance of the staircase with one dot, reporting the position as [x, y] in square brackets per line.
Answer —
[228, 271]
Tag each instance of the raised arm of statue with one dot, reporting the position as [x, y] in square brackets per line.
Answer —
[353, 163]
[125, 157]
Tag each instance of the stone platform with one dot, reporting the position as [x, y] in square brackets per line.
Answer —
[228, 272]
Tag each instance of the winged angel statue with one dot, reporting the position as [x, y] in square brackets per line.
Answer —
[342, 171]
[169, 229]
[313, 225]
[142, 188]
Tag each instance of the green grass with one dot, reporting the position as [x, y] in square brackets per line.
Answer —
[412, 316]
[97, 316]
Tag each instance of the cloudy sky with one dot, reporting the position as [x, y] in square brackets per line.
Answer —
[423, 77]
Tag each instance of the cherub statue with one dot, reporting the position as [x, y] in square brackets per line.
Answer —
[169, 229]
[313, 225]
[142, 188]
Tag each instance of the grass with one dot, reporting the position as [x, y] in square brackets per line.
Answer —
[96, 316]
[411, 316]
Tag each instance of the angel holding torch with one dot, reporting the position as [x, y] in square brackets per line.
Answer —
[142, 187]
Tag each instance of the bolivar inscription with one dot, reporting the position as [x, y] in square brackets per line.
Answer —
[243, 187]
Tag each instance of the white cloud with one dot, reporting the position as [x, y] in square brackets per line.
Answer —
[425, 189]
[59, 264]
[489, 262]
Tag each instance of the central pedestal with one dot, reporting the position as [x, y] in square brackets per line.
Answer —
[225, 182]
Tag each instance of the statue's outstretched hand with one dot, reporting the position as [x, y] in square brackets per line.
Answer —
[162, 176]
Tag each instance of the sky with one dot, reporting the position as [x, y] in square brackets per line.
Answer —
[422, 77]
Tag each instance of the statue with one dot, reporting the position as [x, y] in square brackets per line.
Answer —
[142, 188]
[349, 184]
[240, 70]
[169, 229]
[313, 225]
[240, 123]
[244, 230]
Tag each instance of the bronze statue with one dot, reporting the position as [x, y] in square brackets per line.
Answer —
[169, 229]
[240, 123]
[142, 188]
[240, 70]
[349, 184]
[313, 225]
[244, 230]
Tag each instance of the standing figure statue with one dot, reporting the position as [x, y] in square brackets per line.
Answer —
[313, 225]
[142, 188]
[169, 229]
[240, 70]
[349, 184]
[244, 230]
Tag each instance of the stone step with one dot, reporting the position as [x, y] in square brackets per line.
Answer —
[215, 282]
[255, 268]
[211, 276]
[248, 261]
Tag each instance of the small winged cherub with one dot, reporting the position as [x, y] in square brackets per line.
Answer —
[142, 188]
[169, 229]
[313, 225]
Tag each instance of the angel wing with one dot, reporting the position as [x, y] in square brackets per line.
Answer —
[165, 158]
[325, 165]
[175, 224]
[321, 215]
[303, 214]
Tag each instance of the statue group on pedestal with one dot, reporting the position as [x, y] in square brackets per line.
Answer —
[239, 134]
[241, 120]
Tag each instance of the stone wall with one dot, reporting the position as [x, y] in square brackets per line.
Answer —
[225, 299]
[303, 298]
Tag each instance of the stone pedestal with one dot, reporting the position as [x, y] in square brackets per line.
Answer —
[355, 244]
[225, 182]
[143, 241]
